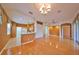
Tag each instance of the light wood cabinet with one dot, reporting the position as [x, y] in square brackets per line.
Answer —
[27, 37]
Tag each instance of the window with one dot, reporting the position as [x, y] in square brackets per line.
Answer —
[0, 20]
[76, 30]
[8, 28]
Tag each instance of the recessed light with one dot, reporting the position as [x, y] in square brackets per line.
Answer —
[54, 21]
[59, 11]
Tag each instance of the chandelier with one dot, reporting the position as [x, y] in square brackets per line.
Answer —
[45, 8]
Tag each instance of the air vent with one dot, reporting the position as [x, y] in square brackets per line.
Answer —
[59, 11]
[39, 22]
[30, 12]
[54, 21]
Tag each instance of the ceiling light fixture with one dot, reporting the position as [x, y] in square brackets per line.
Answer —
[45, 8]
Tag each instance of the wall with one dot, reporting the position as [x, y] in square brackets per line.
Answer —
[3, 30]
[39, 30]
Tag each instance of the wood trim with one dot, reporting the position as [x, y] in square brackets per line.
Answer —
[66, 24]
[76, 18]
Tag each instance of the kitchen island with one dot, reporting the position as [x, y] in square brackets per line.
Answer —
[28, 37]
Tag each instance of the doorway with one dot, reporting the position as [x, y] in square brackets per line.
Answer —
[18, 35]
[66, 29]
[54, 30]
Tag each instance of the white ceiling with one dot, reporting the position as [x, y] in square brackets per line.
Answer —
[60, 13]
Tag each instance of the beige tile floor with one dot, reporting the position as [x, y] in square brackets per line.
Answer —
[46, 46]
